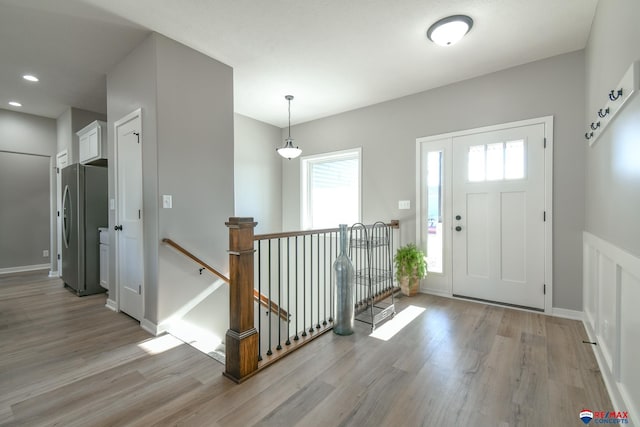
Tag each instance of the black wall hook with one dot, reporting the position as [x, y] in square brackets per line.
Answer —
[603, 114]
[201, 270]
[588, 135]
[613, 96]
[597, 125]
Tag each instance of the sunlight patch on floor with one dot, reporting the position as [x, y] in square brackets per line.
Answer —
[395, 325]
[160, 344]
[199, 338]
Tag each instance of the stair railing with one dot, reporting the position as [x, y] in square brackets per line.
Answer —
[293, 270]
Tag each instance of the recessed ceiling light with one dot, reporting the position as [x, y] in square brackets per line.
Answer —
[450, 30]
[31, 78]
[15, 103]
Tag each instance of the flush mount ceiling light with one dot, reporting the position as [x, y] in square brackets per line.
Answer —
[31, 78]
[15, 104]
[289, 151]
[450, 30]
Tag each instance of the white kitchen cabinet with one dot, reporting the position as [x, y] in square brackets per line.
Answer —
[104, 257]
[93, 143]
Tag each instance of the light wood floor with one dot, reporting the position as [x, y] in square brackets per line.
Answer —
[69, 361]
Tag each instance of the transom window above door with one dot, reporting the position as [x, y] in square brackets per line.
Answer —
[497, 161]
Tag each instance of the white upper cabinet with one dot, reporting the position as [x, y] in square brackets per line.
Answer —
[93, 143]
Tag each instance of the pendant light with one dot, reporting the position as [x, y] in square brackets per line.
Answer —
[289, 151]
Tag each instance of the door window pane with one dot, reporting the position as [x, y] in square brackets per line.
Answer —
[495, 161]
[514, 160]
[476, 163]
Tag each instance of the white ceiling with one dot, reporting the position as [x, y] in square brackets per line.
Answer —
[332, 55]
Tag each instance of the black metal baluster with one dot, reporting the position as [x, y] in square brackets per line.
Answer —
[297, 313]
[269, 308]
[324, 269]
[288, 342]
[304, 285]
[259, 307]
[311, 284]
[279, 347]
[318, 282]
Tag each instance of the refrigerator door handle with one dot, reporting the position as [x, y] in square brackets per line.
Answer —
[66, 213]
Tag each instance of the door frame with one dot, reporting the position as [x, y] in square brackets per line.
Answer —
[438, 143]
[116, 243]
[64, 154]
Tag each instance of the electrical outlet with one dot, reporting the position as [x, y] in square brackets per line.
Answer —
[404, 204]
[45, 253]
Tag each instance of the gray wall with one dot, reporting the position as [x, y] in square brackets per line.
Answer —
[613, 163]
[258, 173]
[187, 124]
[28, 134]
[26, 211]
[132, 85]
[387, 133]
[195, 166]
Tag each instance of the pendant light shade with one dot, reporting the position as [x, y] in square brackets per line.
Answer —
[289, 151]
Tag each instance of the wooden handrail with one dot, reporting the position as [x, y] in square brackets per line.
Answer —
[195, 258]
[394, 223]
[262, 299]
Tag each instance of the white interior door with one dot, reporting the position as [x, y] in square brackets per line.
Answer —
[498, 214]
[62, 160]
[129, 237]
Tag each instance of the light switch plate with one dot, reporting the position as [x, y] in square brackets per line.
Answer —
[167, 202]
[45, 253]
[404, 204]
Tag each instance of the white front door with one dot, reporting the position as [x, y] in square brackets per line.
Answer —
[129, 237]
[498, 214]
[484, 212]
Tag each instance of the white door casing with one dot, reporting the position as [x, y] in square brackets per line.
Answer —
[502, 220]
[62, 160]
[129, 260]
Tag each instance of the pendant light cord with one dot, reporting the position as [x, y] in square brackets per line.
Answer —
[289, 118]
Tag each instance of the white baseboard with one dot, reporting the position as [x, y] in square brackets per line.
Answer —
[24, 268]
[567, 314]
[152, 328]
[111, 305]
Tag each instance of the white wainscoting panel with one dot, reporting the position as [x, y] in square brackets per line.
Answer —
[611, 292]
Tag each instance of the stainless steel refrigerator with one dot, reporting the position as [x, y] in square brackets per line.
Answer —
[84, 209]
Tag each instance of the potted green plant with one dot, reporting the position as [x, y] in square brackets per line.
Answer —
[410, 268]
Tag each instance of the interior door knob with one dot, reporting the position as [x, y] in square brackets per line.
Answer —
[458, 217]
[117, 227]
[458, 228]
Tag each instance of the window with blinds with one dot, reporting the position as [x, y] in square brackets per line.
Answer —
[331, 189]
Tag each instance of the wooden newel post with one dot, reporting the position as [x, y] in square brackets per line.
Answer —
[241, 344]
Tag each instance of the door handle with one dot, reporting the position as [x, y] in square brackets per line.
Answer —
[458, 217]
[118, 227]
[458, 228]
